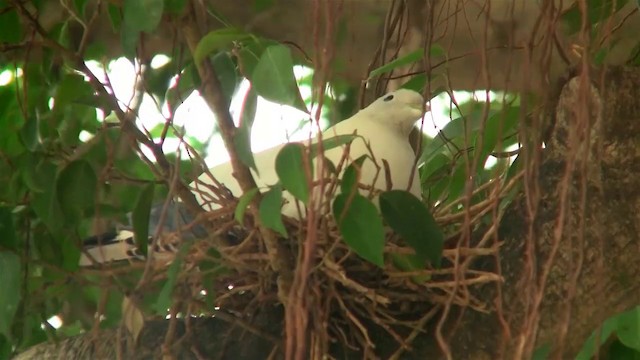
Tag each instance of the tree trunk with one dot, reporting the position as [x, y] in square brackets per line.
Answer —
[500, 44]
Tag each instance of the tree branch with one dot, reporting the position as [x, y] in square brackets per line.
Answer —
[279, 256]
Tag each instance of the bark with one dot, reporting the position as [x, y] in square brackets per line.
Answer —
[593, 275]
[497, 44]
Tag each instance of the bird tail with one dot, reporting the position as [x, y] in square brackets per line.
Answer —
[121, 246]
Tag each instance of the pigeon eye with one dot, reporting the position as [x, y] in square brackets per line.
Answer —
[388, 98]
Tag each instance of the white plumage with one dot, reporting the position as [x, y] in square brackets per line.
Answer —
[385, 125]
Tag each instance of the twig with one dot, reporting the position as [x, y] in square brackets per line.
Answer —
[279, 256]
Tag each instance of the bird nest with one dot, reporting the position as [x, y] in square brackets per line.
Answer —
[318, 278]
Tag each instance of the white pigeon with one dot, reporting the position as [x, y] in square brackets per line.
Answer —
[384, 125]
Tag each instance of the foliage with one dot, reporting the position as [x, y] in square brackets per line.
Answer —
[54, 181]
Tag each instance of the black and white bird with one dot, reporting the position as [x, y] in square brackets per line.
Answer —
[118, 245]
[383, 130]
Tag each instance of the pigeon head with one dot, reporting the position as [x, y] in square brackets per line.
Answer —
[400, 108]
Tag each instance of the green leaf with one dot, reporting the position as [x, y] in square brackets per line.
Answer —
[634, 55]
[15, 189]
[602, 334]
[270, 210]
[416, 83]
[10, 278]
[72, 88]
[407, 59]
[628, 328]
[360, 226]
[30, 174]
[163, 302]
[112, 309]
[601, 55]
[141, 216]
[81, 6]
[262, 5]
[242, 138]
[243, 203]
[8, 238]
[249, 106]
[457, 181]
[174, 6]
[187, 82]
[8, 102]
[330, 143]
[45, 204]
[75, 119]
[10, 144]
[542, 352]
[76, 188]
[597, 10]
[115, 17]
[29, 133]
[617, 350]
[129, 37]
[291, 171]
[436, 186]
[11, 30]
[217, 40]
[227, 75]
[350, 179]
[497, 127]
[6, 348]
[408, 263]
[129, 163]
[455, 129]
[70, 251]
[433, 166]
[158, 80]
[249, 55]
[142, 15]
[32, 325]
[411, 219]
[273, 78]
[11, 119]
[513, 170]
[437, 51]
